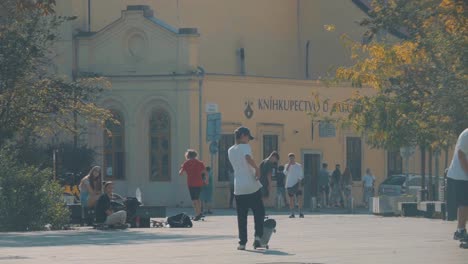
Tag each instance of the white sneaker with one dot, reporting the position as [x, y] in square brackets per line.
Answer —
[241, 247]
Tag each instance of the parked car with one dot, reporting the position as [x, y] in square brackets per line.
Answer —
[402, 184]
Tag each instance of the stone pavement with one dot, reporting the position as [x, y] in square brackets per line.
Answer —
[318, 238]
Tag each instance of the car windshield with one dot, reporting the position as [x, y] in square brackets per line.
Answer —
[395, 180]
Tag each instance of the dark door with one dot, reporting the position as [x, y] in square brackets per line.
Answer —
[311, 172]
[353, 157]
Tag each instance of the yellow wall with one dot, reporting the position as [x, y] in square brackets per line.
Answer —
[272, 32]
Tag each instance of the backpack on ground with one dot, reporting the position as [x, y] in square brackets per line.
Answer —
[179, 221]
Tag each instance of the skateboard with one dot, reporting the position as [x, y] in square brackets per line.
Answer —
[464, 243]
[269, 227]
[156, 223]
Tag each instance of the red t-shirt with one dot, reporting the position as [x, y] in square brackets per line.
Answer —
[194, 169]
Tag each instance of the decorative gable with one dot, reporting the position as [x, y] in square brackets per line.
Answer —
[138, 44]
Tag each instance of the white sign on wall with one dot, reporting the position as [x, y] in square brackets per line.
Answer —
[211, 108]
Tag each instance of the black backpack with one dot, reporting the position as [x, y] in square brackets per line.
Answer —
[179, 220]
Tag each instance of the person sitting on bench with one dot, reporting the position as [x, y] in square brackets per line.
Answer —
[104, 213]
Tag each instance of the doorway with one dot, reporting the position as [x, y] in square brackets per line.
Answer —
[311, 162]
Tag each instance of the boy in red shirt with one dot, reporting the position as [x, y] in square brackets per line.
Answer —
[196, 171]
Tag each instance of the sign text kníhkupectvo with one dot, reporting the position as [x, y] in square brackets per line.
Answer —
[272, 104]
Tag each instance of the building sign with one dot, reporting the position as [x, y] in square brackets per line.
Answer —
[213, 127]
[327, 129]
[290, 105]
[211, 108]
[315, 106]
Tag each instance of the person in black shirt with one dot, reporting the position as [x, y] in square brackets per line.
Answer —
[104, 213]
[336, 187]
[280, 189]
[267, 168]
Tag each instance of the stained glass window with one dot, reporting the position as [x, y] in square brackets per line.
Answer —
[160, 146]
[114, 146]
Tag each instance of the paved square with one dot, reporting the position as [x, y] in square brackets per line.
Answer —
[314, 239]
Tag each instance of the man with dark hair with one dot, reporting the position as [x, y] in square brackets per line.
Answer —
[267, 169]
[458, 175]
[246, 187]
[195, 170]
[280, 189]
[104, 213]
[324, 185]
[294, 176]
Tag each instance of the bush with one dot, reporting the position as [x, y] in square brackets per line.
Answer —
[29, 198]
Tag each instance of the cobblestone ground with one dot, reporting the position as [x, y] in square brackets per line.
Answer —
[318, 238]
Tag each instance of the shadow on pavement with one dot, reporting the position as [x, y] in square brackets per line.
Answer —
[270, 252]
[68, 238]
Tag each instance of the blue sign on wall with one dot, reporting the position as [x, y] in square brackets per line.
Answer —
[213, 127]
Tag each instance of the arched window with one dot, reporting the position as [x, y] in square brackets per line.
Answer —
[114, 146]
[160, 146]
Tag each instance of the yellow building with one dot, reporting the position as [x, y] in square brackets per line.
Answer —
[258, 63]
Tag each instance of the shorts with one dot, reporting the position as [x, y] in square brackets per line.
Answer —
[194, 193]
[265, 192]
[294, 190]
[461, 192]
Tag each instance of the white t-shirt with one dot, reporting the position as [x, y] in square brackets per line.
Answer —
[244, 174]
[456, 171]
[368, 180]
[293, 175]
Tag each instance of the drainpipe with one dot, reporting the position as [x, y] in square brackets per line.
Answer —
[307, 60]
[89, 15]
[201, 76]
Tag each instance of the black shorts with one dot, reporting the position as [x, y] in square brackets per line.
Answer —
[461, 192]
[265, 192]
[194, 193]
[294, 191]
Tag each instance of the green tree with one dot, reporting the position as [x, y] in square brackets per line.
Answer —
[419, 79]
[32, 96]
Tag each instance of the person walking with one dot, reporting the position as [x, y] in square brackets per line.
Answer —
[294, 176]
[336, 186]
[368, 186]
[267, 168]
[246, 187]
[458, 174]
[324, 185]
[280, 189]
[195, 171]
[206, 194]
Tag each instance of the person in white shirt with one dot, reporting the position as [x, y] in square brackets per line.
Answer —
[458, 174]
[246, 187]
[294, 176]
[368, 186]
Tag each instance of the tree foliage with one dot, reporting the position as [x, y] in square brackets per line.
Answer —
[420, 78]
[32, 96]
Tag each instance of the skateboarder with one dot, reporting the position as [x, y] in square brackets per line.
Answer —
[246, 186]
[195, 169]
[104, 213]
[458, 173]
[294, 176]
